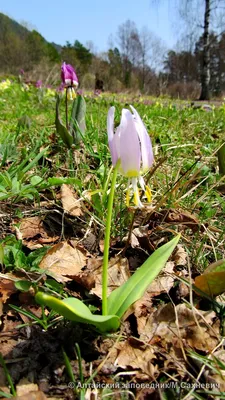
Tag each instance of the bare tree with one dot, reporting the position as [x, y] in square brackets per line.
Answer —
[189, 11]
[151, 52]
[205, 75]
[129, 45]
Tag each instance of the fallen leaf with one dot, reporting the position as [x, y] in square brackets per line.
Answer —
[162, 284]
[7, 288]
[34, 395]
[180, 328]
[180, 256]
[136, 358]
[63, 261]
[70, 202]
[25, 387]
[140, 238]
[118, 273]
[91, 276]
[34, 233]
[212, 281]
[175, 216]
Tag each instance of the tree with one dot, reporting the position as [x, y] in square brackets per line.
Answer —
[207, 10]
[205, 73]
[151, 51]
[129, 44]
[83, 55]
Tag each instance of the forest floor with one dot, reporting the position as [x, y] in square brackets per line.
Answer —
[53, 208]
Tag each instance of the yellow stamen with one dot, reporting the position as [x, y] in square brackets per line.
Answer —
[148, 193]
[136, 196]
[74, 95]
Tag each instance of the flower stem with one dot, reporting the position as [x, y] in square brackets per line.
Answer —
[66, 101]
[106, 242]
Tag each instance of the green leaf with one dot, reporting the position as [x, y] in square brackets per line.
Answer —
[124, 296]
[221, 159]
[1, 254]
[61, 129]
[53, 285]
[77, 121]
[23, 285]
[74, 310]
[56, 181]
[36, 180]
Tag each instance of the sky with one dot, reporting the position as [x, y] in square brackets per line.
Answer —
[91, 20]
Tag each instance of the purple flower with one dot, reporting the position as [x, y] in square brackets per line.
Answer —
[22, 71]
[60, 88]
[97, 92]
[39, 83]
[131, 145]
[68, 75]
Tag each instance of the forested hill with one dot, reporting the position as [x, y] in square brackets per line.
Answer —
[21, 47]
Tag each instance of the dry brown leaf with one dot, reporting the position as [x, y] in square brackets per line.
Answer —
[63, 261]
[182, 217]
[118, 273]
[7, 345]
[136, 358]
[143, 306]
[164, 282]
[36, 395]
[175, 216]
[25, 387]
[6, 289]
[163, 324]
[71, 203]
[34, 234]
[140, 238]
[180, 256]
[91, 277]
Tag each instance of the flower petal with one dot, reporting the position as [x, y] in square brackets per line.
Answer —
[68, 75]
[146, 145]
[111, 136]
[129, 145]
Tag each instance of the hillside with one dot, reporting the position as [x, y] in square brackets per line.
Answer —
[22, 48]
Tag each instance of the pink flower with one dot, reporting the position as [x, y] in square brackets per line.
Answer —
[39, 83]
[68, 75]
[131, 145]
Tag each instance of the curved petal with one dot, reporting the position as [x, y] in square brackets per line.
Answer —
[129, 145]
[68, 82]
[68, 75]
[111, 136]
[146, 145]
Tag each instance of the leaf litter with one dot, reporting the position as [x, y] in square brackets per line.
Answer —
[159, 333]
[163, 332]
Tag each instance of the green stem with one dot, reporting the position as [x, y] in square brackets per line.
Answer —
[221, 159]
[105, 188]
[7, 374]
[66, 101]
[106, 242]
